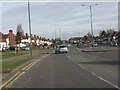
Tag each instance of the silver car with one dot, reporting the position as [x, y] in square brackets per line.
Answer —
[61, 49]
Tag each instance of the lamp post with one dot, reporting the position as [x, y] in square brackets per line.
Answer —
[90, 6]
[30, 28]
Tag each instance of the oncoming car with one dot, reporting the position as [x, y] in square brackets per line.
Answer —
[61, 49]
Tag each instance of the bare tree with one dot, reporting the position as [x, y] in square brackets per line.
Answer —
[19, 29]
[19, 33]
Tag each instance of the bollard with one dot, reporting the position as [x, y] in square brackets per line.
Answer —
[17, 51]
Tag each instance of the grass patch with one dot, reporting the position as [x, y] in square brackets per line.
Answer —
[9, 54]
[37, 48]
[12, 64]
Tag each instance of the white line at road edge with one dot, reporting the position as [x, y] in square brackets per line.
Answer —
[100, 78]
[68, 56]
[97, 76]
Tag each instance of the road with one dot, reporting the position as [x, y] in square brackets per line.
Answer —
[73, 70]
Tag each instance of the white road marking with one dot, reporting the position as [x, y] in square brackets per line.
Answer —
[82, 67]
[100, 78]
[68, 56]
[97, 75]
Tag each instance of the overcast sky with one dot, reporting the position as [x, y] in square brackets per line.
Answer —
[68, 18]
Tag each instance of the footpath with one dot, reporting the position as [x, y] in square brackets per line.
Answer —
[99, 49]
[36, 54]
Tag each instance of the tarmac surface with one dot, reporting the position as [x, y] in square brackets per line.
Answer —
[76, 69]
[35, 54]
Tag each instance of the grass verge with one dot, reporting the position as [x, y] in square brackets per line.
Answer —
[12, 64]
[12, 54]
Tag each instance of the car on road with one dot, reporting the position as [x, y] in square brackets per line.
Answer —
[61, 49]
[113, 43]
[94, 44]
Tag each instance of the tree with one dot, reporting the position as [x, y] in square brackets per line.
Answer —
[19, 34]
[19, 29]
[102, 33]
[18, 38]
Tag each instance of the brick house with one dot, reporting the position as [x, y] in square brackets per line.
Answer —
[12, 38]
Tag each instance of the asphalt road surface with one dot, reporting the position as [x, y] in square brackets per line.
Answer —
[73, 70]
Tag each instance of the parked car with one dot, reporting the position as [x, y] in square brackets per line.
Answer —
[12, 48]
[61, 49]
[25, 48]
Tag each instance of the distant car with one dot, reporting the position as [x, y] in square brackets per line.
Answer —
[68, 45]
[114, 44]
[85, 45]
[94, 44]
[61, 49]
[25, 48]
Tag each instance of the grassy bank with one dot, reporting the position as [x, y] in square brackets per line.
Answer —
[9, 54]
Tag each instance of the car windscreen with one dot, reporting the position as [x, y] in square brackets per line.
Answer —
[62, 46]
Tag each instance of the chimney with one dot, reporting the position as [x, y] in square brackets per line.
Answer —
[10, 31]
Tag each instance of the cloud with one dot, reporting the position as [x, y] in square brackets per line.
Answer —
[70, 17]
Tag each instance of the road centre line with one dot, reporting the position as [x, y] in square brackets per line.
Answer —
[20, 73]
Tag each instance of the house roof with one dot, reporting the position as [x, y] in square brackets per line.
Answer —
[3, 35]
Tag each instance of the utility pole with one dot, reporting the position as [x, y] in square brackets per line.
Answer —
[91, 23]
[30, 28]
[60, 33]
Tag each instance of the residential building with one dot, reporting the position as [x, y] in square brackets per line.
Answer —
[12, 38]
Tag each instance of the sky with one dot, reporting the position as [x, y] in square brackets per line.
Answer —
[67, 18]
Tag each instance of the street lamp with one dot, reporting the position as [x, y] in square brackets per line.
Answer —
[90, 6]
[30, 27]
